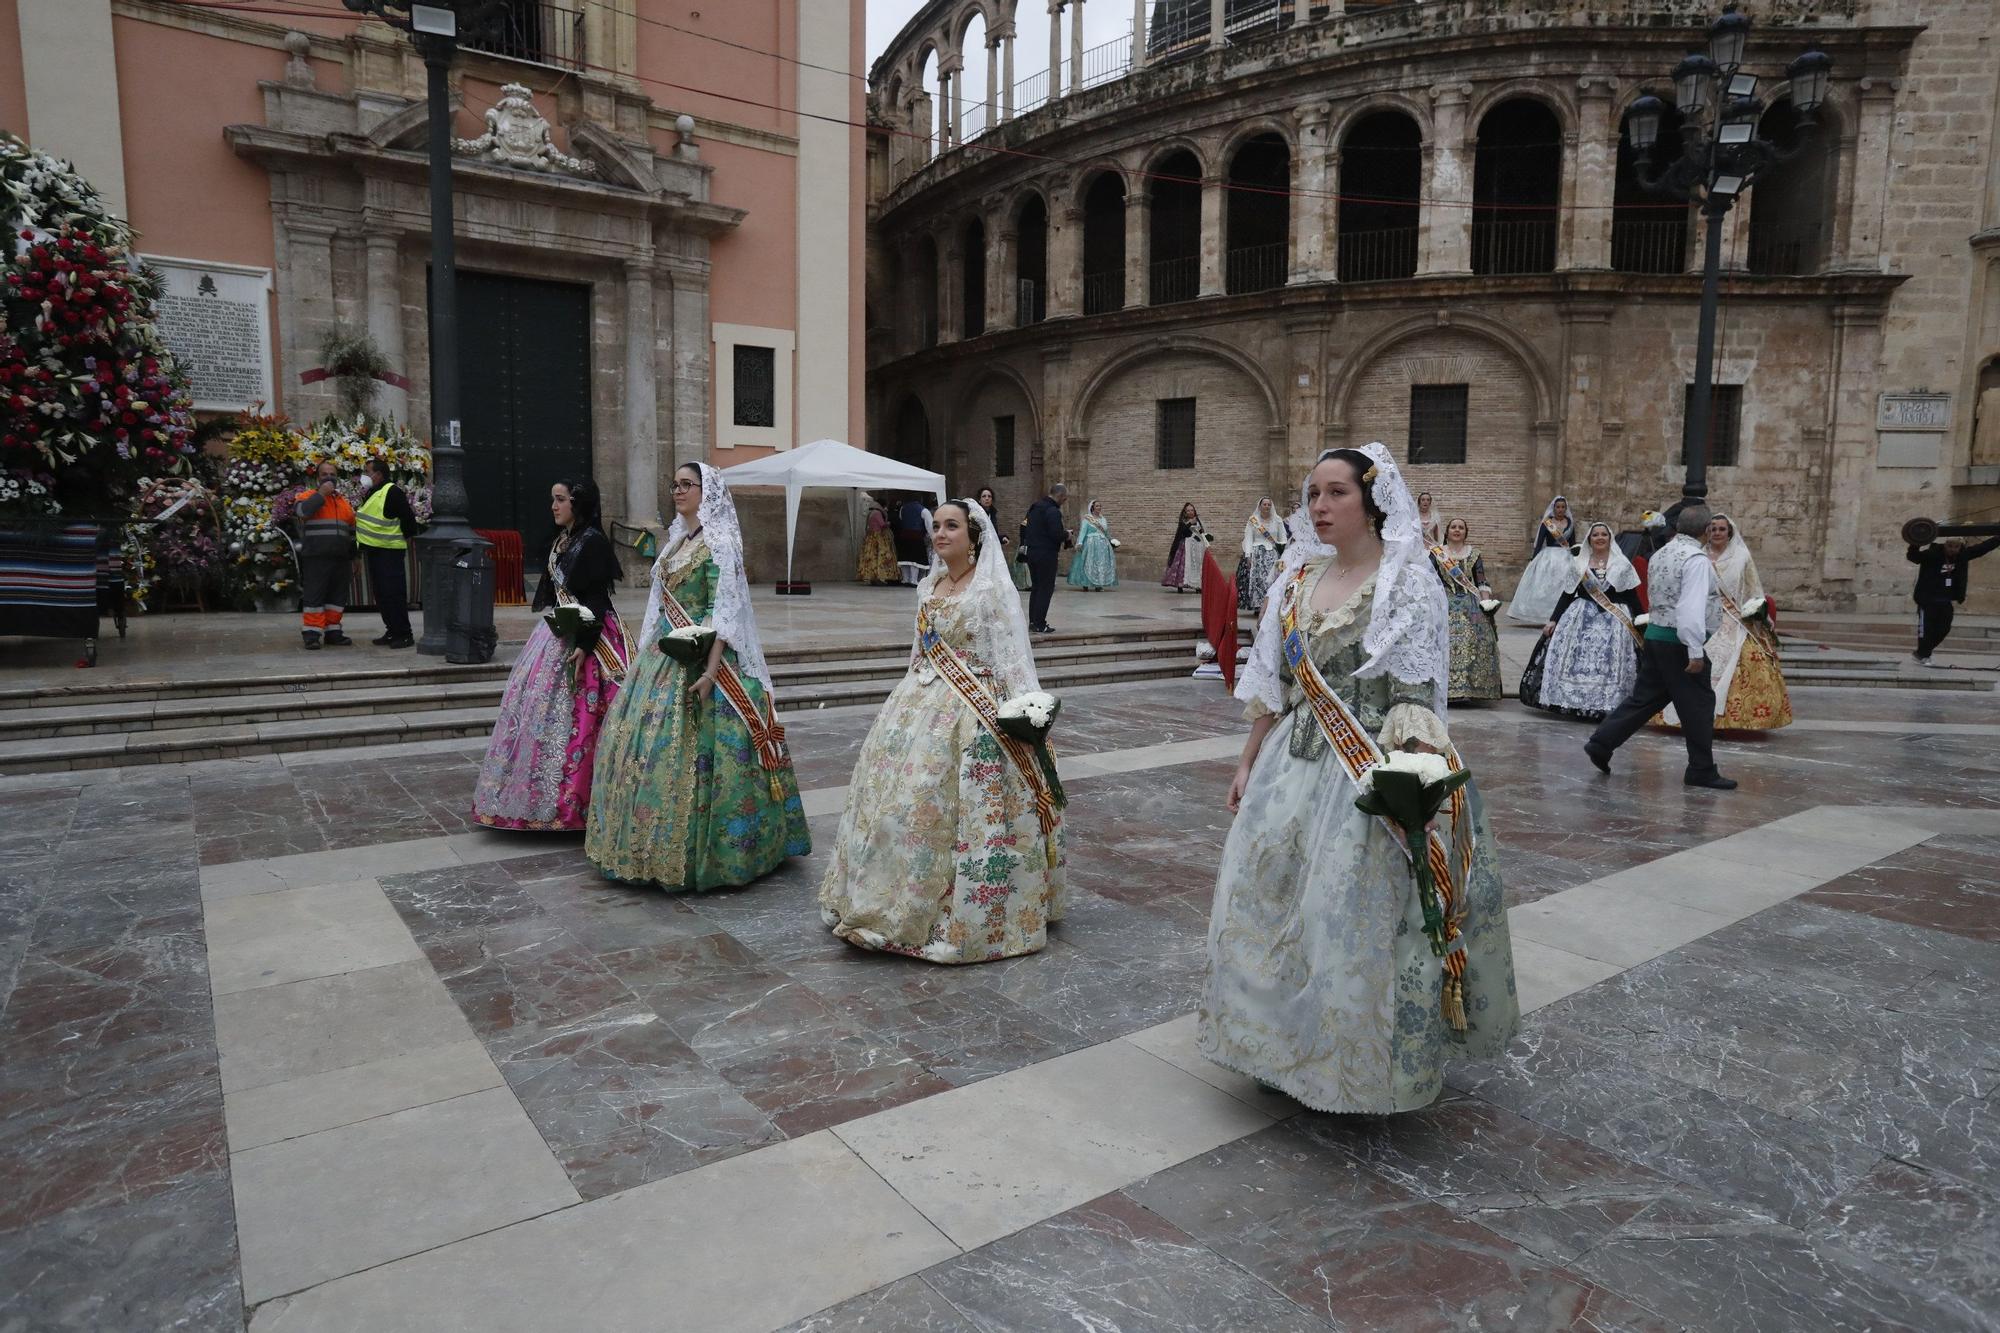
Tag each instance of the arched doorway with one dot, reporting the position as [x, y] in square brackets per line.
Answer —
[1175, 191]
[1259, 215]
[1381, 182]
[912, 443]
[1649, 232]
[1516, 186]
[1104, 245]
[1791, 206]
[972, 271]
[1031, 263]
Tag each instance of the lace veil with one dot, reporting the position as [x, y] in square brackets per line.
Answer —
[1618, 570]
[1535, 537]
[733, 621]
[1735, 570]
[1408, 635]
[1000, 626]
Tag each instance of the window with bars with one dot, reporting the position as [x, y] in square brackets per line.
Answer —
[756, 385]
[1003, 446]
[1437, 423]
[1725, 423]
[1174, 441]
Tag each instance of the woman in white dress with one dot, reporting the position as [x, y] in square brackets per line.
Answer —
[1264, 539]
[1321, 981]
[1429, 520]
[1588, 657]
[1549, 574]
[951, 846]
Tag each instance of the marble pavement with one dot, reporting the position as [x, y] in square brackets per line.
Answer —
[288, 1043]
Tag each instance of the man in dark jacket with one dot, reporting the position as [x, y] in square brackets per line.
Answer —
[1046, 538]
[1941, 576]
[384, 524]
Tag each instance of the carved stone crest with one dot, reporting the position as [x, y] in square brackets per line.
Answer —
[517, 135]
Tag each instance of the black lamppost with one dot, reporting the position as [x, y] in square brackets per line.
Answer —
[1720, 157]
[435, 29]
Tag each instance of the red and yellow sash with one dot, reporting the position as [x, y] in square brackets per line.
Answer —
[765, 733]
[1359, 753]
[957, 674]
[1454, 572]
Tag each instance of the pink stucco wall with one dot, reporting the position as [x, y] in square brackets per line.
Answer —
[13, 85]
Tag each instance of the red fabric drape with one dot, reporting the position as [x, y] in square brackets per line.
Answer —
[1218, 616]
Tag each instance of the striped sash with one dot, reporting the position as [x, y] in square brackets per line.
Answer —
[1596, 593]
[986, 708]
[765, 733]
[1454, 572]
[1359, 753]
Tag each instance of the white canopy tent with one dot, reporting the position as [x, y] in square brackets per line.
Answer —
[829, 463]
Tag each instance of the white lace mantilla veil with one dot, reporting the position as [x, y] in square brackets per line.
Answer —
[1735, 568]
[1000, 626]
[1408, 634]
[734, 622]
[1617, 569]
[1548, 513]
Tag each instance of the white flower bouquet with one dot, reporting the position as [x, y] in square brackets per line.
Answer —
[688, 645]
[1116, 544]
[1642, 621]
[1489, 604]
[1757, 608]
[1408, 789]
[1030, 717]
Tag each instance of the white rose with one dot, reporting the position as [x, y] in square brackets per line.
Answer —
[1037, 706]
[1642, 621]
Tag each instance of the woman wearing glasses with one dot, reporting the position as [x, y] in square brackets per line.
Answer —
[695, 788]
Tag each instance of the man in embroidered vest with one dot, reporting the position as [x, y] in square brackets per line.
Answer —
[1673, 665]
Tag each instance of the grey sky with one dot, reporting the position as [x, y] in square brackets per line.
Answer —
[1103, 21]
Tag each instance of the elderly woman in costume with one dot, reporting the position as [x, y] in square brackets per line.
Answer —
[1588, 657]
[1191, 541]
[1322, 982]
[537, 770]
[1475, 641]
[1750, 693]
[951, 845]
[1264, 539]
[1547, 576]
[1095, 564]
[695, 789]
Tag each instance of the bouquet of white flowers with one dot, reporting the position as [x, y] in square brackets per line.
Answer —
[1489, 604]
[1641, 621]
[1030, 717]
[1757, 608]
[688, 645]
[1408, 789]
[1116, 544]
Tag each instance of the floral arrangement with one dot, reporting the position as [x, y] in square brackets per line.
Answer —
[350, 444]
[1407, 789]
[182, 544]
[1030, 717]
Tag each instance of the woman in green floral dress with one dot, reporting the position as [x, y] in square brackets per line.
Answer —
[693, 787]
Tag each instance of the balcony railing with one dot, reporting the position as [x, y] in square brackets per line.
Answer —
[546, 34]
[1103, 292]
[1257, 268]
[1378, 255]
[1031, 302]
[1780, 256]
[1175, 280]
[1031, 92]
[1649, 245]
[1503, 245]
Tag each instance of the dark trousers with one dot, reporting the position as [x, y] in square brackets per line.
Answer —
[1664, 679]
[389, 576]
[1042, 587]
[1933, 623]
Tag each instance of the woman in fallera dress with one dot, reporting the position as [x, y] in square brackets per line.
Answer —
[1095, 564]
[1184, 556]
[1475, 641]
[1750, 693]
[695, 788]
[1588, 656]
[537, 770]
[877, 564]
[1547, 576]
[1429, 519]
[1321, 982]
[1264, 539]
[950, 848]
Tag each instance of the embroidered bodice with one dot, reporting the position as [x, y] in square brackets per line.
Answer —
[690, 575]
[951, 619]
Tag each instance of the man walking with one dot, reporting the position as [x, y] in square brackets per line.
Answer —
[1941, 575]
[1673, 665]
[326, 558]
[384, 525]
[1045, 540]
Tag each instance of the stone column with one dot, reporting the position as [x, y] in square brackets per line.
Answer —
[950, 297]
[1006, 314]
[1212, 239]
[1851, 447]
[1330, 242]
[1216, 22]
[1076, 46]
[1446, 224]
[1066, 262]
[1309, 207]
[688, 350]
[1138, 34]
[1305, 405]
[1594, 169]
[1877, 122]
[1055, 48]
[305, 311]
[992, 81]
[1007, 71]
[385, 316]
[642, 399]
[996, 268]
[1138, 245]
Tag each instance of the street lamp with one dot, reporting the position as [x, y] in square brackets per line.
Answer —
[1720, 157]
[434, 30]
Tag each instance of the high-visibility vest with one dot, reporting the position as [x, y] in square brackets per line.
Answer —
[374, 526]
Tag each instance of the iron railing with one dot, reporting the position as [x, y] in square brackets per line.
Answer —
[546, 34]
[1256, 268]
[1513, 245]
[1378, 255]
[1780, 256]
[1175, 280]
[1103, 292]
[1030, 302]
[1649, 245]
[1031, 92]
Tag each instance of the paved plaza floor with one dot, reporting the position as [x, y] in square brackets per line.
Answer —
[287, 1042]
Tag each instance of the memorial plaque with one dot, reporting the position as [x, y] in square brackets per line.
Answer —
[216, 319]
[1913, 411]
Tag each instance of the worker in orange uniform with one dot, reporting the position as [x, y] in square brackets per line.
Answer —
[326, 557]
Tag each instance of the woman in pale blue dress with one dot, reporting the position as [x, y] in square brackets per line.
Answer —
[1322, 983]
[1095, 564]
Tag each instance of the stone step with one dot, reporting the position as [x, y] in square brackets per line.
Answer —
[237, 739]
[1935, 679]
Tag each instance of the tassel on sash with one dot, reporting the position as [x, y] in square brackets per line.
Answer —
[765, 734]
[1359, 753]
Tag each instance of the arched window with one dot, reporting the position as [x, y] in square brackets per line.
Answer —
[976, 117]
[1516, 186]
[928, 111]
[1031, 263]
[1381, 182]
[1104, 245]
[1986, 415]
[1175, 197]
[924, 283]
[1791, 205]
[972, 271]
[1259, 215]
[1649, 232]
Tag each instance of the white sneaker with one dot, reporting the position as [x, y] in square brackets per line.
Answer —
[1929, 662]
